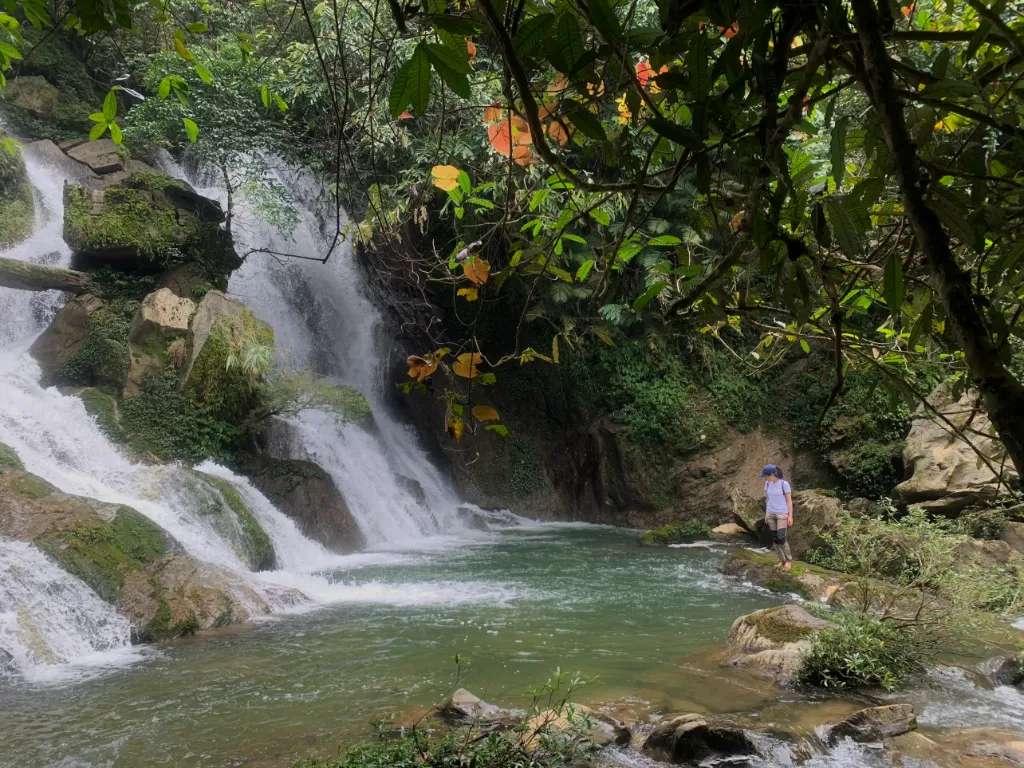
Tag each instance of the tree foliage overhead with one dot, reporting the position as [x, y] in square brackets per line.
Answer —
[780, 176]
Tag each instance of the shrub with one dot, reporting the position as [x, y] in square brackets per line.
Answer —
[104, 357]
[865, 652]
[986, 523]
[870, 468]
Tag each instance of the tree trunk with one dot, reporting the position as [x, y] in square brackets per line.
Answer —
[1002, 394]
[34, 277]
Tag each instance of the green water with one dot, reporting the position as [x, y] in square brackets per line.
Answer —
[515, 608]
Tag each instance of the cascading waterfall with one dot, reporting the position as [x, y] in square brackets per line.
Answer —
[324, 322]
[56, 439]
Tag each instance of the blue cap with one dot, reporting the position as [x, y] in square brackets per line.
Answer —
[769, 469]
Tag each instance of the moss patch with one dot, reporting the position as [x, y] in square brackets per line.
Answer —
[102, 555]
[17, 208]
[9, 459]
[103, 407]
[675, 533]
[163, 627]
[104, 356]
[30, 487]
[256, 541]
[770, 625]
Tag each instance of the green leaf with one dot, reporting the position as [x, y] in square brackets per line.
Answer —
[110, 105]
[454, 58]
[805, 346]
[191, 129]
[665, 240]
[601, 217]
[164, 90]
[196, 27]
[585, 121]
[499, 429]
[204, 74]
[97, 130]
[603, 17]
[98, 117]
[647, 296]
[953, 208]
[115, 133]
[265, 96]
[412, 84]
[893, 287]
[847, 229]
[180, 47]
[9, 51]
[837, 147]
[584, 270]
[564, 44]
[455, 25]
[532, 33]
[675, 132]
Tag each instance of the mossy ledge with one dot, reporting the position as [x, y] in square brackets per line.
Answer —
[675, 533]
[256, 541]
[102, 555]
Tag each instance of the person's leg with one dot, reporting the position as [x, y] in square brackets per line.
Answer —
[782, 543]
[773, 526]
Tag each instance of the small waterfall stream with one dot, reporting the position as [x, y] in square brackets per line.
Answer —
[49, 620]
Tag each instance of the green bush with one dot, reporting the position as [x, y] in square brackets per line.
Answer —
[104, 358]
[164, 422]
[869, 468]
[986, 523]
[864, 652]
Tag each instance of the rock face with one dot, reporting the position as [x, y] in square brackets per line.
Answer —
[161, 318]
[16, 203]
[65, 336]
[874, 724]
[124, 557]
[307, 494]
[33, 94]
[1013, 534]
[945, 474]
[576, 721]
[694, 740]
[771, 642]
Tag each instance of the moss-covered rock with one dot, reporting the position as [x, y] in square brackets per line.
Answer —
[256, 546]
[147, 222]
[103, 407]
[17, 209]
[9, 459]
[102, 357]
[104, 553]
[773, 641]
[675, 533]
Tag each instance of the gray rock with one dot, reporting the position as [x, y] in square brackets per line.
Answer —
[1009, 672]
[65, 336]
[874, 724]
[50, 154]
[465, 707]
[102, 156]
[694, 740]
[945, 473]
[34, 94]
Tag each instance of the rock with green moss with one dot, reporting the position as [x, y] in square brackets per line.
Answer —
[17, 209]
[157, 337]
[232, 352]
[243, 529]
[146, 222]
[9, 459]
[675, 533]
[772, 642]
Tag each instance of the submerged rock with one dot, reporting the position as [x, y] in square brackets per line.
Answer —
[772, 641]
[694, 740]
[874, 724]
[466, 708]
[945, 473]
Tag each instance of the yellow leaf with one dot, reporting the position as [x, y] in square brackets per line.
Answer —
[554, 350]
[466, 365]
[469, 294]
[445, 177]
[455, 428]
[421, 368]
[485, 413]
[477, 270]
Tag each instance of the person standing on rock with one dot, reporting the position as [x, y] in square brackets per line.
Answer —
[778, 511]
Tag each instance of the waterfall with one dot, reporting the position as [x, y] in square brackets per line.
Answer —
[50, 620]
[324, 322]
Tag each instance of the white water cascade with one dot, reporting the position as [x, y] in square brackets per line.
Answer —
[50, 622]
[324, 322]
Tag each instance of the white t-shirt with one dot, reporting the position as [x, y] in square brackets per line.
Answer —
[775, 492]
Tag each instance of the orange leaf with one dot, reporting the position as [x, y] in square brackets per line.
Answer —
[558, 85]
[421, 368]
[906, 10]
[455, 428]
[493, 113]
[522, 155]
[445, 177]
[644, 72]
[407, 115]
[731, 31]
[477, 270]
[465, 365]
[469, 294]
[737, 221]
[471, 49]
[485, 413]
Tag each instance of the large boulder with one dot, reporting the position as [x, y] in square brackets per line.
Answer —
[576, 722]
[145, 222]
[124, 557]
[306, 493]
[771, 642]
[33, 94]
[222, 327]
[874, 724]
[17, 208]
[945, 473]
[815, 512]
[65, 337]
[160, 320]
[693, 739]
